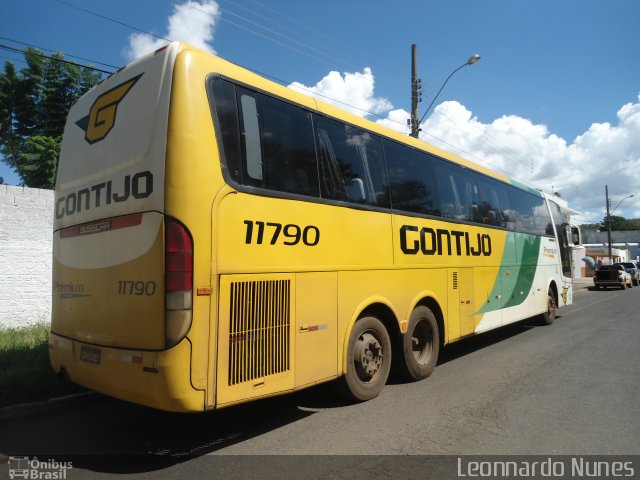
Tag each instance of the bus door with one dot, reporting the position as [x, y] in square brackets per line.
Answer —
[461, 301]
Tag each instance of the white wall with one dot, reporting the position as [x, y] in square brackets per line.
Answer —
[26, 225]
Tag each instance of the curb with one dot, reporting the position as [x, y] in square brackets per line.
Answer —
[32, 408]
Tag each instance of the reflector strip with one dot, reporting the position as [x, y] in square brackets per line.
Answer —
[132, 358]
[102, 226]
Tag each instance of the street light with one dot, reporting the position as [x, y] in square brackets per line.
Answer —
[475, 58]
[609, 213]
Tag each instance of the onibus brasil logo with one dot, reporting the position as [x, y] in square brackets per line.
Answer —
[32, 468]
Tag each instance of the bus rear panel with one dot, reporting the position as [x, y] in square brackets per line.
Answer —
[122, 267]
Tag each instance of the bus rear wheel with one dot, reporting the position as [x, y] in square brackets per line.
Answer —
[420, 345]
[549, 316]
[368, 360]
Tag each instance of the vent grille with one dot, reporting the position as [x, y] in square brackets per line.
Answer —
[455, 280]
[259, 334]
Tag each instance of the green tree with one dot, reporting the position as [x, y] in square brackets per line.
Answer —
[621, 223]
[8, 135]
[34, 103]
[39, 161]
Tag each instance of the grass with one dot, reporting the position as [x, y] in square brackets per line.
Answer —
[25, 372]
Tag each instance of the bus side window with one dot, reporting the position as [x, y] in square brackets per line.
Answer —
[529, 211]
[288, 148]
[351, 163]
[224, 103]
[490, 204]
[278, 151]
[411, 179]
[449, 188]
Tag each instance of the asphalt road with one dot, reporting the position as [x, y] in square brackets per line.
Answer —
[572, 388]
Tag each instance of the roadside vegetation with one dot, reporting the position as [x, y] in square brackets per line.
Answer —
[25, 372]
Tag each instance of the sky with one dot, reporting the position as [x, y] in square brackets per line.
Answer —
[554, 102]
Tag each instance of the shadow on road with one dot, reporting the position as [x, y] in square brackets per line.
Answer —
[113, 436]
[478, 342]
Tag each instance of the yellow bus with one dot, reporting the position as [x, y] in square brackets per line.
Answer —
[220, 238]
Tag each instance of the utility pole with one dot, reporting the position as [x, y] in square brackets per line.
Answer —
[415, 92]
[606, 194]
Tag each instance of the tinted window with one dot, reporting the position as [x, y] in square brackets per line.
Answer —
[492, 201]
[267, 143]
[351, 164]
[224, 102]
[411, 179]
[468, 195]
[529, 213]
[452, 189]
[271, 144]
[288, 151]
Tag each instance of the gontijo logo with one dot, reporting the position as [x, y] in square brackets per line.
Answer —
[102, 116]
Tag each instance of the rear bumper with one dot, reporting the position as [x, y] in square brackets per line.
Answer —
[609, 283]
[156, 379]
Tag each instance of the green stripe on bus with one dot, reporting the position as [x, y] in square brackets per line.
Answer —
[515, 278]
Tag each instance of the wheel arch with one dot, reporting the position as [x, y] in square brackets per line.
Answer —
[553, 287]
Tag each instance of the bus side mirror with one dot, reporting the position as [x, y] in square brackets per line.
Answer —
[573, 233]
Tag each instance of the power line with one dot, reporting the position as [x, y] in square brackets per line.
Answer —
[239, 26]
[13, 60]
[56, 51]
[507, 151]
[271, 39]
[286, 37]
[41, 55]
[488, 138]
[90, 12]
[304, 34]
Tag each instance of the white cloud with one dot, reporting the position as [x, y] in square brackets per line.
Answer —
[603, 155]
[396, 120]
[352, 92]
[192, 22]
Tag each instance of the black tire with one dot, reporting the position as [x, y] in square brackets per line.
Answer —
[549, 316]
[368, 360]
[420, 346]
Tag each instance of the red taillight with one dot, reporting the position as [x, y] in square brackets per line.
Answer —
[178, 282]
[178, 258]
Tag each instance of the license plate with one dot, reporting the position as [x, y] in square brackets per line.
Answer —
[90, 354]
